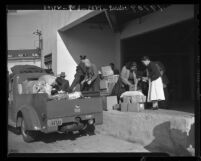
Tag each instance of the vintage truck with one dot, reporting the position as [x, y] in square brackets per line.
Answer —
[32, 114]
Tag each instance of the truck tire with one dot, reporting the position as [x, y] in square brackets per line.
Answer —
[28, 136]
[18, 127]
[90, 129]
[83, 130]
[18, 130]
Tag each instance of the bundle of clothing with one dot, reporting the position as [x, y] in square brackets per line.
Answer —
[47, 84]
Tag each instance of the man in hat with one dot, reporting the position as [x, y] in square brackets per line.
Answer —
[62, 83]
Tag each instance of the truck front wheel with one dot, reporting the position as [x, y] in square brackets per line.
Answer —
[28, 136]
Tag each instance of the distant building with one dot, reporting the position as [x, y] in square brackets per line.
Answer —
[23, 57]
[48, 61]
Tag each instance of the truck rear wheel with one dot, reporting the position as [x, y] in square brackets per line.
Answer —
[27, 135]
[91, 129]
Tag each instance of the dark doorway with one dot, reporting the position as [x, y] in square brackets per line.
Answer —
[174, 47]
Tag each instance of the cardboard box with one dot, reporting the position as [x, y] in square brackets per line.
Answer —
[111, 101]
[104, 103]
[132, 88]
[135, 107]
[138, 99]
[142, 106]
[103, 84]
[117, 107]
[106, 70]
[126, 99]
[112, 78]
[124, 107]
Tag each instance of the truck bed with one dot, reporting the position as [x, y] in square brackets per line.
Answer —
[65, 107]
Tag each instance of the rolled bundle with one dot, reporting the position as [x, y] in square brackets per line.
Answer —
[74, 95]
[30, 87]
[48, 79]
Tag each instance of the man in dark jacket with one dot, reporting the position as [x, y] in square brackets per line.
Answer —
[61, 84]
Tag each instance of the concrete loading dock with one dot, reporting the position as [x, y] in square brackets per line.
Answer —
[157, 131]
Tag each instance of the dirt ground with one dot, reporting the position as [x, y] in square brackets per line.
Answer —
[68, 143]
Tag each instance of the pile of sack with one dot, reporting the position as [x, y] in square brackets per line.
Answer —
[44, 85]
[108, 80]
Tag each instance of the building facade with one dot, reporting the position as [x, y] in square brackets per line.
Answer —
[100, 36]
[22, 57]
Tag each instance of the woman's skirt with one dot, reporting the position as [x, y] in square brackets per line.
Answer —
[156, 92]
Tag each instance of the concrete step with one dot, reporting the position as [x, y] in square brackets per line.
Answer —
[157, 131]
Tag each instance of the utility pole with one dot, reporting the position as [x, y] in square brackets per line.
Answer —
[39, 33]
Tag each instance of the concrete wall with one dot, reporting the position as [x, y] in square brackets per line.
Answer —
[98, 44]
[53, 21]
[101, 46]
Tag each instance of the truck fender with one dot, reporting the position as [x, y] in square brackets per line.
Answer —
[31, 118]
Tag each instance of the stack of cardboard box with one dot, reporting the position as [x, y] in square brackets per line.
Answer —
[108, 81]
[106, 85]
[109, 103]
[133, 103]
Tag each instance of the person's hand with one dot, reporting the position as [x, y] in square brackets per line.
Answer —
[89, 82]
[144, 79]
[83, 82]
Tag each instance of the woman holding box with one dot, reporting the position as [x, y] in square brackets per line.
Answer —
[127, 81]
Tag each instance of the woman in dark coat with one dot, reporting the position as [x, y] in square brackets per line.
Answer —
[128, 79]
[155, 92]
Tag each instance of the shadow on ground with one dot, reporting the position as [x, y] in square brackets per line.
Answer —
[172, 141]
[13, 130]
[53, 137]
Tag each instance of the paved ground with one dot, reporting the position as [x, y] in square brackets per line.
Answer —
[109, 136]
[62, 143]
